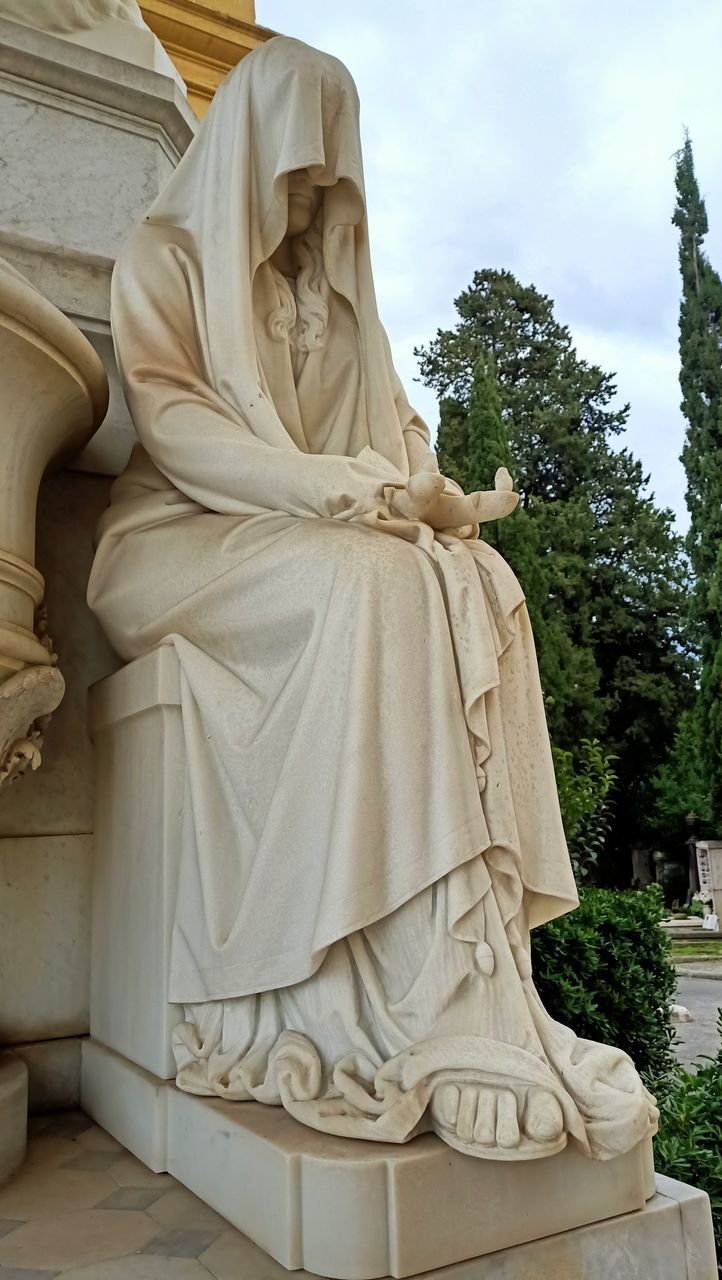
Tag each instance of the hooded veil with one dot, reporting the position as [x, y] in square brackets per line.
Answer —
[204, 249]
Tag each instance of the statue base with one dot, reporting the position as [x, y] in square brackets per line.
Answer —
[349, 1209]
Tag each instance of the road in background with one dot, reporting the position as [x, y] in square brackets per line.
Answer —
[703, 998]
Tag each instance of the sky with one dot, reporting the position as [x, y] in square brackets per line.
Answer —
[536, 136]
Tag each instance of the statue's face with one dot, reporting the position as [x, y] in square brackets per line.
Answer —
[304, 200]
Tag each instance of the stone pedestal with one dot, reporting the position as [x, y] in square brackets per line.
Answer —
[53, 395]
[88, 141]
[89, 138]
[344, 1208]
[337, 1207]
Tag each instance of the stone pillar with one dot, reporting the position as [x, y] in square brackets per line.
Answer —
[88, 141]
[53, 395]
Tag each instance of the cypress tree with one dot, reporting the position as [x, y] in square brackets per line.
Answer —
[700, 346]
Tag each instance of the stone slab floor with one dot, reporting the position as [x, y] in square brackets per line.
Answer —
[83, 1208]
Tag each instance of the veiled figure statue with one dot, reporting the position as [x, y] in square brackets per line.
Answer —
[371, 825]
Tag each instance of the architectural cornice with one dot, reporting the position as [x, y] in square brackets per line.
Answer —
[205, 39]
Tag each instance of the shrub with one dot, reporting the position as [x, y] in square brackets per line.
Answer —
[688, 1144]
[605, 971]
[584, 785]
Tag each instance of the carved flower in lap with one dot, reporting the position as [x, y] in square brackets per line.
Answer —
[69, 15]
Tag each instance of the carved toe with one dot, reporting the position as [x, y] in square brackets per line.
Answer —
[508, 1135]
[445, 1105]
[485, 1127]
[544, 1121]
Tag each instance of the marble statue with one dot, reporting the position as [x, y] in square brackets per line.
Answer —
[63, 16]
[371, 825]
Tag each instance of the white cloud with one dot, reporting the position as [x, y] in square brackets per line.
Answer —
[535, 135]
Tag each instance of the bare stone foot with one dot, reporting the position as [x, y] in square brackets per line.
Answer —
[479, 1115]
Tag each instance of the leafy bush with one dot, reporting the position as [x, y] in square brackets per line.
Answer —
[605, 971]
[584, 784]
[688, 1144]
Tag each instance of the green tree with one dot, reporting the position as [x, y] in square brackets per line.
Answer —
[700, 346]
[612, 574]
[679, 786]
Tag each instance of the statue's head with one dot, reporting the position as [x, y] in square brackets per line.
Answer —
[64, 16]
[301, 112]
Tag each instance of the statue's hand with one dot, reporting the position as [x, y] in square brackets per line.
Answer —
[419, 496]
[494, 504]
[425, 498]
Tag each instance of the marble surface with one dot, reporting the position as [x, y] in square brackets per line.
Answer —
[60, 162]
[53, 1073]
[79, 114]
[58, 799]
[89, 139]
[53, 396]
[347, 1208]
[81, 1207]
[131, 43]
[135, 721]
[113, 27]
[72, 15]
[44, 936]
[13, 1112]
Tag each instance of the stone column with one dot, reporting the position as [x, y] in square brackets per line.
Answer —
[89, 138]
[53, 396]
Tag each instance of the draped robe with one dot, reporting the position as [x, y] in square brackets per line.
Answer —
[368, 759]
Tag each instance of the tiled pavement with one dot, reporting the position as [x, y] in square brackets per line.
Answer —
[82, 1207]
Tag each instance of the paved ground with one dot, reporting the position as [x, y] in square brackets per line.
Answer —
[703, 997]
[83, 1208]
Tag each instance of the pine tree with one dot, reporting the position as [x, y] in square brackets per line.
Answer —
[611, 575]
[700, 346]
